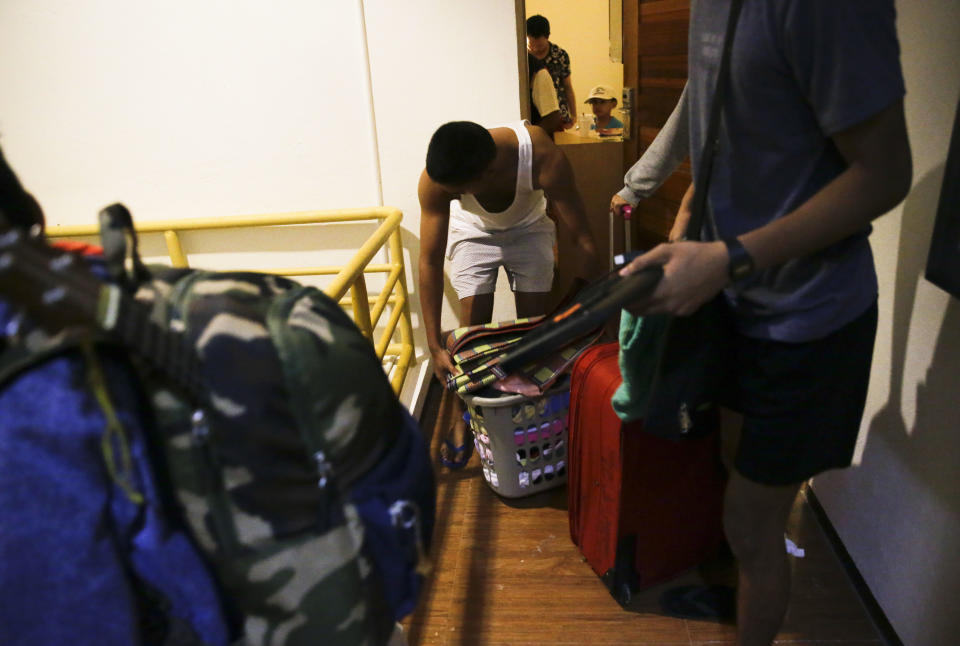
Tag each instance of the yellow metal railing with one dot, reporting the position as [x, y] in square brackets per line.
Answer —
[396, 356]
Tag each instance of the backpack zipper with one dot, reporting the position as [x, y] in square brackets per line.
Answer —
[217, 498]
[354, 463]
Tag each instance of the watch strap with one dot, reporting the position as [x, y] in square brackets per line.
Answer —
[741, 262]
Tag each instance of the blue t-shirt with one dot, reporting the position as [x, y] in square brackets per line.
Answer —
[613, 123]
[801, 71]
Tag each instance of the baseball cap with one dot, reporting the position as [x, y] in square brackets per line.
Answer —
[604, 92]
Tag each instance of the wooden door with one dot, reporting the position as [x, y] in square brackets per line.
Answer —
[655, 64]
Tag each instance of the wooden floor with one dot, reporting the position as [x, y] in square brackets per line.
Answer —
[506, 573]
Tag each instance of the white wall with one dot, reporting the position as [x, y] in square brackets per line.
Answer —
[434, 61]
[184, 108]
[225, 107]
[898, 509]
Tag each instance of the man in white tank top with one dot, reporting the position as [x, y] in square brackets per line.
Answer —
[483, 199]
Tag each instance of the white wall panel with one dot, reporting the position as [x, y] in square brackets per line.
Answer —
[186, 109]
[434, 61]
[897, 509]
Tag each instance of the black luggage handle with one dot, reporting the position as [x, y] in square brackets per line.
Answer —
[598, 303]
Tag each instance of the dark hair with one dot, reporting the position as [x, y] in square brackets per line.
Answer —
[459, 151]
[538, 26]
[17, 207]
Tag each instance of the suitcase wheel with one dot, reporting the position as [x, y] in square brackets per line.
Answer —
[624, 594]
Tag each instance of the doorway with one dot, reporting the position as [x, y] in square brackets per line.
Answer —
[651, 36]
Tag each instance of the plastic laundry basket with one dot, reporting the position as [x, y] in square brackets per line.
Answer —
[522, 441]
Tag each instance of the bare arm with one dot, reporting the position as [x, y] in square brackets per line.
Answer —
[682, 219]
[552, 173]
[434, 219]
[552, 122]
[877, 178]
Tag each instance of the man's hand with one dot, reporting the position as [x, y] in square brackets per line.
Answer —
[617, 203]
[442, 364]
[693, 273]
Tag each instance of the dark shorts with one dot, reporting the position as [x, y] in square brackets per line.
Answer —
[802, 403]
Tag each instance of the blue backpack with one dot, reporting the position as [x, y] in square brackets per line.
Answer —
[245, 472]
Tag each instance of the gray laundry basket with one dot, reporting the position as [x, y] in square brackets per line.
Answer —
[522, 441]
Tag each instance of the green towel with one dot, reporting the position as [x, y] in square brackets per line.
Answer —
[641, 338]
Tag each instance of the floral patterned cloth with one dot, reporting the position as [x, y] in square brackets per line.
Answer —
[558, 64]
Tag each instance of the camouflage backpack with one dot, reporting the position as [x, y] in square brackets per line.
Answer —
[304, 482]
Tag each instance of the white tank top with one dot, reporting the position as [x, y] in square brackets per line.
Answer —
[529, 206]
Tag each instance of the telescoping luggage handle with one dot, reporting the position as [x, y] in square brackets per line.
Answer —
[625, 213]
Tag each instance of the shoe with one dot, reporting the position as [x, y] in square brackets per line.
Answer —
[717, 602]
[465, 449]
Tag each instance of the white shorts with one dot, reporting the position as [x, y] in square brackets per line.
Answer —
[525, 254]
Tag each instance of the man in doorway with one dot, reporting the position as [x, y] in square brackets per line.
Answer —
[558, 64]
[812, 148]
[483, 205]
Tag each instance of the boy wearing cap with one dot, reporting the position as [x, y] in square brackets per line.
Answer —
[603, 101]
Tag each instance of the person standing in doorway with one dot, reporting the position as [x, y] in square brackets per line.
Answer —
[558, 64]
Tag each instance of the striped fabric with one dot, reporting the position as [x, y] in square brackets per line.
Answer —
[458, 338]
[542, 373]
[471, 353]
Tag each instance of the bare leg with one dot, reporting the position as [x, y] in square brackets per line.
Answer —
[531, 303]
[754, 519]
[474, 310]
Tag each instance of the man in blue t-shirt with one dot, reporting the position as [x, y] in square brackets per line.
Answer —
[812, 148]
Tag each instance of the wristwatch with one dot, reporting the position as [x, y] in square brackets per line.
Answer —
[741, 263]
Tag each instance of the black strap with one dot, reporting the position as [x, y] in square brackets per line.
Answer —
[120, 249]
[712, 140]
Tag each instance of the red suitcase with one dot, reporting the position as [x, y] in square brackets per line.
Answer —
[642, 508]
